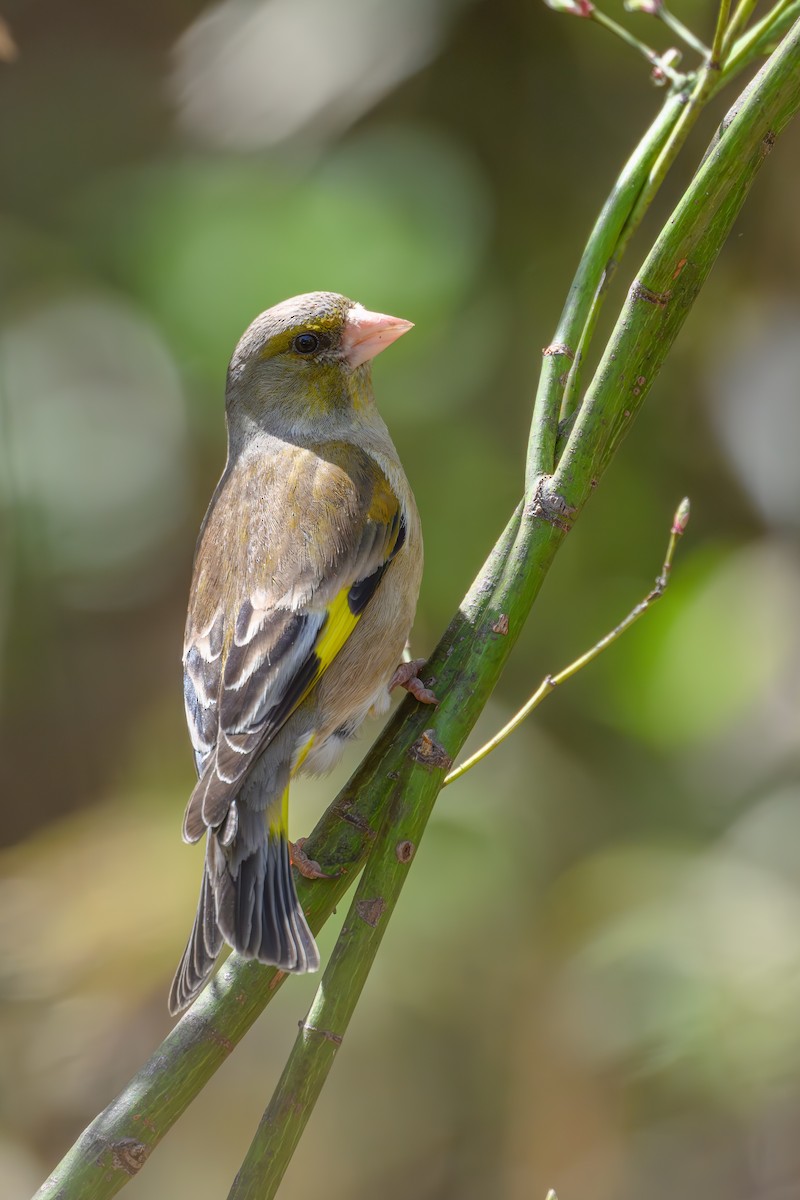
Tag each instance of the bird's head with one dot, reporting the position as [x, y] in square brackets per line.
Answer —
[306, 362]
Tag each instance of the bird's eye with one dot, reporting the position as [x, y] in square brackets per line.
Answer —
[306, 343]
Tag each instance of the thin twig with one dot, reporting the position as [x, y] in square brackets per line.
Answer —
[652, 56]
[680, 30]
[551, 682]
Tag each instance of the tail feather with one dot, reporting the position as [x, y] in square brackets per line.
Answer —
[247, 918]
[255, 910]
[265, 920]
[202, 950]
[300, 939]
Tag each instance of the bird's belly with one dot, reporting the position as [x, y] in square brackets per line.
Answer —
[326, 749]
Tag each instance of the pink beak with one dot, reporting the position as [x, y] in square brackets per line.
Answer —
[367, 333]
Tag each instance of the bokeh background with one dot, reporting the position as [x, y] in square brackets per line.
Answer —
[592, 981]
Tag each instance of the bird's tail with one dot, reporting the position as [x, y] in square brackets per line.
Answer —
[202, 949]
[248, 899]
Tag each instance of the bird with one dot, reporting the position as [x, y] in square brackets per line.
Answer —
[306, 576]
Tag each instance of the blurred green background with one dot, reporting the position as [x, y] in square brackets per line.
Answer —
[592, 981]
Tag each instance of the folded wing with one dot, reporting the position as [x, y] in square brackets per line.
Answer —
[276, 596]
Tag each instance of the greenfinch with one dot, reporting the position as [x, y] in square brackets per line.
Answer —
[306, 576]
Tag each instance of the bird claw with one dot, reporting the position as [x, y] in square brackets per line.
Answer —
[307, 867]
[406, 677]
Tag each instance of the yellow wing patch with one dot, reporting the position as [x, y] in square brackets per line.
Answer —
[338, 626]
[337, 629]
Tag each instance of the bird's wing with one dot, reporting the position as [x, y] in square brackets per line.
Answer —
[313, 533]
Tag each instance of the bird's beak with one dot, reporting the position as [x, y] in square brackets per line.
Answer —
[367, 333]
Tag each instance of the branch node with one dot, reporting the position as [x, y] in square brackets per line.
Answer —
[327, 1034]
[371, 911]
[556, 348]
[129, 1155]
[640, 292]
[547, 505]
[501, 625]
[430, 753]
[352, 818]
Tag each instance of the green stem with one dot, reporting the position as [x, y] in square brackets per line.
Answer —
[693, 106]
[723, 15]
[572, 392]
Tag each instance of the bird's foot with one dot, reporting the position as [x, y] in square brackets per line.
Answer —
[307, 867]
[406, 676]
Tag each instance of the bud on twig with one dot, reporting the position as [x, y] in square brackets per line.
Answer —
[681, 518]
[572, 8]
[664, 68]
[651, 8]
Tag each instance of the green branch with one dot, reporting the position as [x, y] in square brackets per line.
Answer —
[405, 769]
